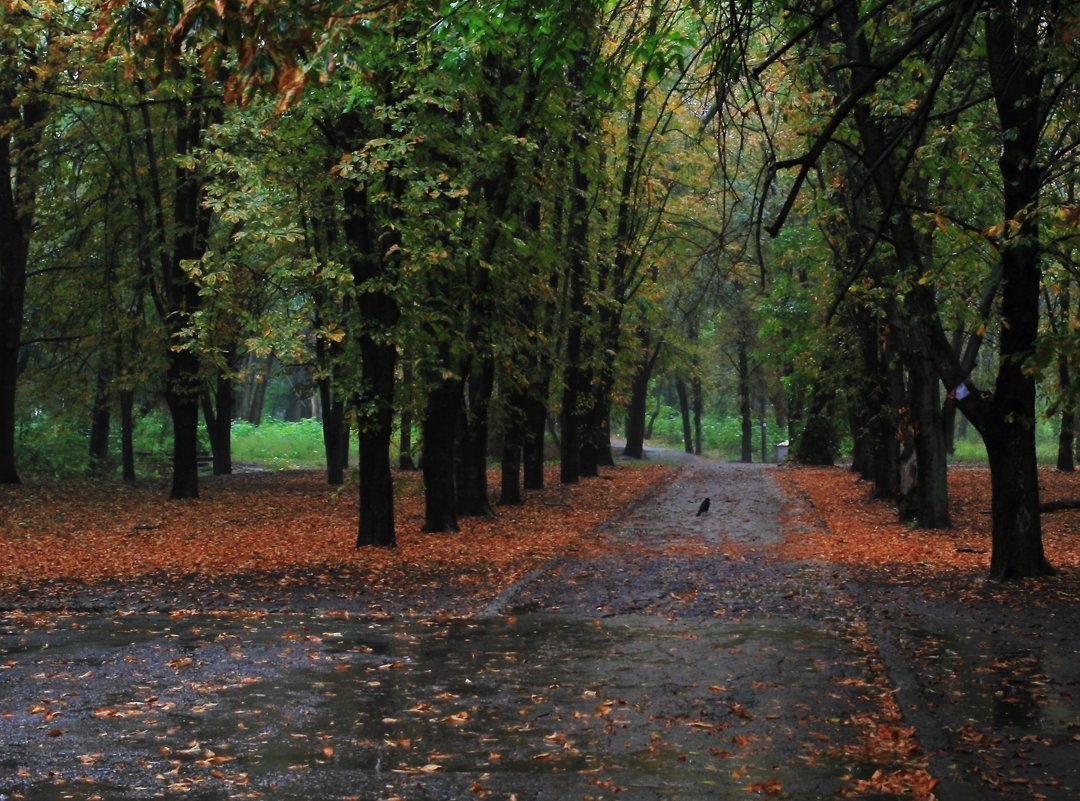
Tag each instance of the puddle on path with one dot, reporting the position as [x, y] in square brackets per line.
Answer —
[535, 707]
[1000, 687]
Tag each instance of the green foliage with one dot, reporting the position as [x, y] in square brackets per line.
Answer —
[278, 445]
[721, 436]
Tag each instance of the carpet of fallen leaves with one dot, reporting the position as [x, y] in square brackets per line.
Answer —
[291, 525]
[846, 526]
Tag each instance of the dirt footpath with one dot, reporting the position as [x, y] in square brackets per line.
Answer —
[670, 657]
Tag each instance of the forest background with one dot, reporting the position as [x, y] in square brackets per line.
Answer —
[467, 226]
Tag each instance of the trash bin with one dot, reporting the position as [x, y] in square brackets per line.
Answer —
[781, 451]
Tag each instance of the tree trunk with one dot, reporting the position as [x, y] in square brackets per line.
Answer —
[438, 465]
[100, 418]
[473, 493]
[639, 398]
[219, 426]
[931, 507]
[1012, 39]
[1016, 539]
[577, 375]
[372, 262]
[127, 439]
[335, 433]
[746, 451]
[510, 471]
[684, 415]
[514, 433]
[532, 449]
[405, 443]
[698, 408]
[1066, 441]
[20, 137]
[816, 442]
[182, 398]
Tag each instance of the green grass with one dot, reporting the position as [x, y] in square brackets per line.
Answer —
[278, 445]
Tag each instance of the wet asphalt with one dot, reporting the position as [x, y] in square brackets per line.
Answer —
[669, 658]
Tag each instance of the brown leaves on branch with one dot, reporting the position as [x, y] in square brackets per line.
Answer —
[290, 524]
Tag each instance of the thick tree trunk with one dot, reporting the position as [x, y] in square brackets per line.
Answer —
[931, 507]
[182, 397]
[438, 465]
[335, 434]
[1012, 52]
[405, 443]
[473, 497]
[1016, 540]
[20, 137]
[378, 361]
[639, 398]
[532, 449]
[219, 426]
[377, 315]
[510, 472]
[816, 442]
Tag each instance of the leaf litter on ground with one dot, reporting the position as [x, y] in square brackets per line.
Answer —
[289, 528]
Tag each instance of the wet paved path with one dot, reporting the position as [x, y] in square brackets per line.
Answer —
[668, 658]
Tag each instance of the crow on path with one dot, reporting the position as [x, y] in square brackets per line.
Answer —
[703, 508]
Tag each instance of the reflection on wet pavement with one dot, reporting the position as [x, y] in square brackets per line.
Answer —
[272, 707]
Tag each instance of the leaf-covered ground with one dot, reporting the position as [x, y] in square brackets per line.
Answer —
[895, 662]
[847, 527]
[253, 533]
[988, 670]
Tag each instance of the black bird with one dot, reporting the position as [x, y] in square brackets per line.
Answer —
[703, 508]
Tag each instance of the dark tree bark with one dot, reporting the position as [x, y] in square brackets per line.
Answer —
[127, 428]
[170, 244]
[335, 434]
[930, 505]
[639, 397]
[577, 373]
[182, 394]
[746, 452]
[1012, 54]
[438, 465]
[100, 419]
[514, 433]
[576, 376]
[1067, 441]
[684, 415]
[532, 450]
[473, 497]
[377, 314]
[1067, 418]
[218, 416]
[698, 409]
[21, 123]
[816, 442]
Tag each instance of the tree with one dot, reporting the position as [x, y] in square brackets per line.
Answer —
[26, 49]
[1022, 57]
